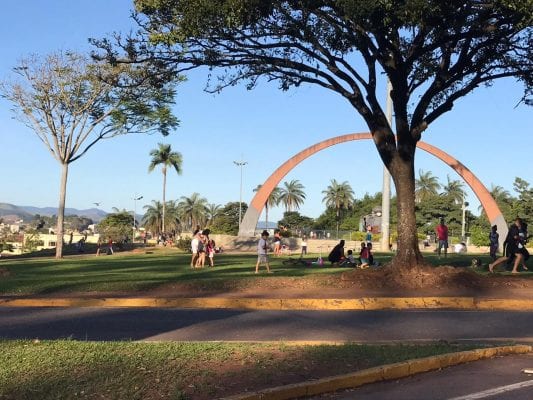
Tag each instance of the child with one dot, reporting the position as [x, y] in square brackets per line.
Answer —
[262, 246]
[365, 255]
[349, 261]
[494, 238]
[211, 252]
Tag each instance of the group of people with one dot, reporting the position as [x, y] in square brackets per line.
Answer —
[515, 252]
[202, 247]
[100, 244]
[365, 260]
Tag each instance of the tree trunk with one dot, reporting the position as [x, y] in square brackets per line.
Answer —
[338, 220]
[402, 171]
[164, 201]
[61, 210]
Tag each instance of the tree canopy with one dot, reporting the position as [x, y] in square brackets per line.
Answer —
[433, 53]
[72, 102]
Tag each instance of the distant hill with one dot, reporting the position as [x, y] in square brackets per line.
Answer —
[26, 212]
[12, 210]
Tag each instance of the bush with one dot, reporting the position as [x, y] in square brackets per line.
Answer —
[285, 233]
[184, 244]
[479, 237]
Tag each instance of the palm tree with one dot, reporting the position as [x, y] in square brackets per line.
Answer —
[292, 195]
[153, 217]
[193, 210]
[338, 196]
[426, 185]
[273, 200]
[454, 190]
[213, 211]
[167, 158]
[502, 198]
[172, 216]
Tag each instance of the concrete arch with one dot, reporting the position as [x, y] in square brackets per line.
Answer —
[251, 217]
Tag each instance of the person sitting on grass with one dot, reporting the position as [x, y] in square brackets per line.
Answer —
[337, 253]
[349, 261]
[365, 256]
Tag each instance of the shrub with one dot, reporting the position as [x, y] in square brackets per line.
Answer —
[184, 244]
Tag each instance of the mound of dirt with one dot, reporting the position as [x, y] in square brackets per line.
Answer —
[414, 278]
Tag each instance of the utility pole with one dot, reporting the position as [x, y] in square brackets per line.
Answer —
[135, 198]
[463, 222]
[240, 164]
[385, 198]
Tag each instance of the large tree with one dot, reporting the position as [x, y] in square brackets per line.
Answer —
[433, 52]
[72, 102]
[167, 158]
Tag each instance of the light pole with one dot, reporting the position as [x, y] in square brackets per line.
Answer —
[463, 222]
[385, 193]
[135, 198]
[240, 164]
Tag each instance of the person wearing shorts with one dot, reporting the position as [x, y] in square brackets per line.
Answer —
[194, 247]
[262, 257]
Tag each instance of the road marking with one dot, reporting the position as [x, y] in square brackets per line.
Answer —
[495, 391]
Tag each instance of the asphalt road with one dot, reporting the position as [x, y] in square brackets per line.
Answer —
[202, 325]
[495, 379]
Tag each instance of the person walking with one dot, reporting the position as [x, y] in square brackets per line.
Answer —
[110, 245]
[304, 246]
[277, 242]
[262, 247]
[442, 237]
[98, 246]
[515, 248]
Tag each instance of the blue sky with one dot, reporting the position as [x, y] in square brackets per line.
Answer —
[265, 127]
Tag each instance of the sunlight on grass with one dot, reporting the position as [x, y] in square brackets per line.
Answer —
[66, 369]
[138, 271]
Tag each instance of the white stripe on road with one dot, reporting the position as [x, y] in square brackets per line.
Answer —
[495, 391]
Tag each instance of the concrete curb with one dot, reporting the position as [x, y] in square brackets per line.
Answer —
[359, 304]
[377, 374]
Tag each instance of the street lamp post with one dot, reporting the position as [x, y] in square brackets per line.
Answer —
[463, 222]
[386, 191]
[240, 164]
[135, 198]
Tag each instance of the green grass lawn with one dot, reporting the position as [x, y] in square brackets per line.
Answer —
[134, 272]
[66, 369]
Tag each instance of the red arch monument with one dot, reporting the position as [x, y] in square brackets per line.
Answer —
[255, 208]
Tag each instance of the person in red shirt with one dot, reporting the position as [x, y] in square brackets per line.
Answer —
[442, 237]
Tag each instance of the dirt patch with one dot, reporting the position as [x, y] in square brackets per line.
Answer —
[4, 273]
[384, 281]
[381, 282]
[387, 277]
